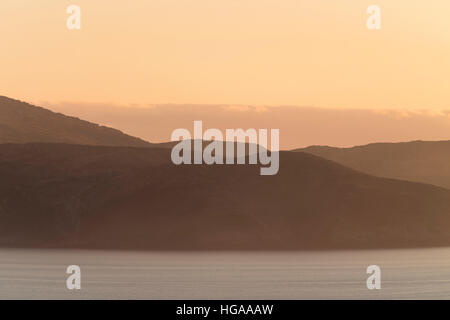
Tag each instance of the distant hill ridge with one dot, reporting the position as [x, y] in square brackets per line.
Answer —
[419, 161]
[21, 122]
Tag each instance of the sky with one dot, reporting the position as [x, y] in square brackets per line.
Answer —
[236, 52]
[299, 126]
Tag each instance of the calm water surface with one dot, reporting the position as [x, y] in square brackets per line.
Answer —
[406, 274]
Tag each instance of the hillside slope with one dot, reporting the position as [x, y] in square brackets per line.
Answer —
[420, 161]
[21, 122]
[61, 195]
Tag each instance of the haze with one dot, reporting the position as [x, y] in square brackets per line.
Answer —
[299, 126]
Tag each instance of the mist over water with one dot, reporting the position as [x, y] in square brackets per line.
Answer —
[405, 274]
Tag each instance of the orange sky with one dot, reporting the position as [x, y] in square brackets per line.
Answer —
[253, 52]
[299, 126]
[260, 52]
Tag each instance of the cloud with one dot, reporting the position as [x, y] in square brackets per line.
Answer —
[299, 126]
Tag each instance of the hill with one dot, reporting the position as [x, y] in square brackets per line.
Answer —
[420, 161]
[21, 122]
[59, 195]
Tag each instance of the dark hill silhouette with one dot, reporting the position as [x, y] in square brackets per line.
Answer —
[21, 122]
[420, 161]
[60, 195]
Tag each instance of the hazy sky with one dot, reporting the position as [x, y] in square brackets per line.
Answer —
[299, 126]
[259, 52]
[315, 53]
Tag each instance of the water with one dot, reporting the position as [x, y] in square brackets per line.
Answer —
[406, 274]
